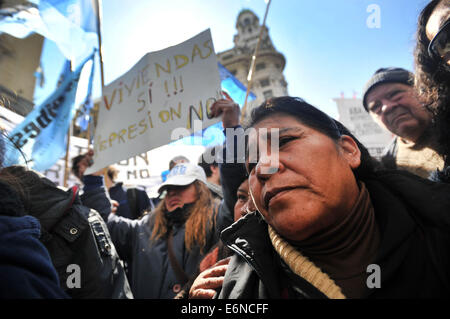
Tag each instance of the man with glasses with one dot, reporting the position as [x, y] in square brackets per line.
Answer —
[390, 99]
[432, 79]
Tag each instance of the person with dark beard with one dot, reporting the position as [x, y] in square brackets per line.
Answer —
[432, 74]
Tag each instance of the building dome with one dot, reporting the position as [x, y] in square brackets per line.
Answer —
[268, 79]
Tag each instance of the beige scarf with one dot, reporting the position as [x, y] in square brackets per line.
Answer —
[304, 268]
[343, 251]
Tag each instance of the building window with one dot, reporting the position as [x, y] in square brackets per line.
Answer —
[264, 82]
[267, 94]
[260, 66]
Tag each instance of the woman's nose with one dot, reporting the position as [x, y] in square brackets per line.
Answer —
[266, 167]
[172, 191]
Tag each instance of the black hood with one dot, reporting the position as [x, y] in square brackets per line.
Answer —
[42, 198]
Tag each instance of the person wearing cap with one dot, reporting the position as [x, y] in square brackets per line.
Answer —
[164, 247]
[390, 99]
[432, 73]
[174, 161]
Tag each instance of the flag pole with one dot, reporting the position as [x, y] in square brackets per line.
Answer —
[252, 65]
[99, 13]
[66, 159]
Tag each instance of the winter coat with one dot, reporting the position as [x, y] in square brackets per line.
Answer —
[151, 273]
[232, 174]
[26, 270]
[417, 159]
[74, 235]
[413, 216]
[217, 253]
[96, 196]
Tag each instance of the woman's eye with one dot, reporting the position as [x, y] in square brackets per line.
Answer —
[242, 198]
[285, 139]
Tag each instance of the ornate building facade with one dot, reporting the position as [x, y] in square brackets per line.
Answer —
[268, 79]
[19, 60]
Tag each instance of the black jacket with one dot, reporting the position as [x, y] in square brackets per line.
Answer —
[413, 215]
[74, 235]
[132, 201]
[151, 273]
[232, 174]
[26, 270]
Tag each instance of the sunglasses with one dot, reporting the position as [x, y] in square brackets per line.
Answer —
[440, 44]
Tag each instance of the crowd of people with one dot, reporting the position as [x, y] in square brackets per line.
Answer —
[310, 224]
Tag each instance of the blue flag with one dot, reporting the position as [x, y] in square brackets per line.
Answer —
[84, 118]
[235, 89]
[41, 136]
[213, 135]
[71, 24]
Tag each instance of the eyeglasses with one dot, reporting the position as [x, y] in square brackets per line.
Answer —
[440, 44]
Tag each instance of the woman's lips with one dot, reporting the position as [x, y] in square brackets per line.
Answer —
[173, 202]
[275, 194]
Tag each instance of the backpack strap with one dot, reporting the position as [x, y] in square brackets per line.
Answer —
[132, 202]
[179, 272]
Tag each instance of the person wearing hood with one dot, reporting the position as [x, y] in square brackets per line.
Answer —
[164, 248]
[26, 270]
[75, 236]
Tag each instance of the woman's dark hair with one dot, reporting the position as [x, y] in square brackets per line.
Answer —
[112, 172]
[75, 161]
[199, 222]
[318, 120]
[432, 81]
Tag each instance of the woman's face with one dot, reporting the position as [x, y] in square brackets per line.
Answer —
[436, 20]
[312, 186]
[178, 196]
[242, 199]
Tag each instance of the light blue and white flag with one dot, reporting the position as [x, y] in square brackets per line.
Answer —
[71, 24]
[84, 117]
[235, 89]
[42, 135]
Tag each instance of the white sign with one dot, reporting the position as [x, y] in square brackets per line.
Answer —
[353, 115]
[141, 170]
[165, 90]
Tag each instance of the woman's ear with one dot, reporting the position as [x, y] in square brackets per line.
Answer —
[351, 151]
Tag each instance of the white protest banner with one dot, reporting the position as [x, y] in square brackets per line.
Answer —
[353, 115]
[164, 91]
[142, 170]
[9, 120]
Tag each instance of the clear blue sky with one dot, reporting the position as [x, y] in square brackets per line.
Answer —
[328, 46]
